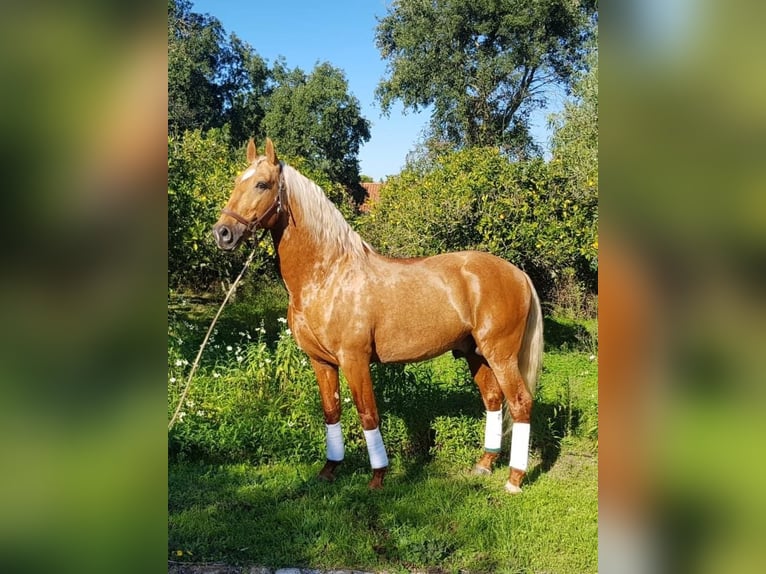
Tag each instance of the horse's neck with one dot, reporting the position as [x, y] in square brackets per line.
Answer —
[303, 260]
[298, 254]
[315, 238]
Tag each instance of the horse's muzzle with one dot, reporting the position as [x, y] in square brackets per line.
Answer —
[226, 237]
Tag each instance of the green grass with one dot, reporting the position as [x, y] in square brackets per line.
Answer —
[427, 516]
[243, 460]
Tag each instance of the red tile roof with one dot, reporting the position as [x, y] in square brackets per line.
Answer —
[373, 194]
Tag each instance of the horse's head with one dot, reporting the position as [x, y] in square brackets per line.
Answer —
[256, 201]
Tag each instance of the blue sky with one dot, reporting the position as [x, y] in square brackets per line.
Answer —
[341, 32]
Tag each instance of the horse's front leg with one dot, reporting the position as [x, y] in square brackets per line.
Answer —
[327, 378]
[357, 371]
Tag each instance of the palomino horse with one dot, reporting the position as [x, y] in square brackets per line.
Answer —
[350, 306]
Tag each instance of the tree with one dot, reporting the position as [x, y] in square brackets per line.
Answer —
[212, 80]
[482, 65]
[315, 117]
[194, 52]
[574, 146]
[574, 143]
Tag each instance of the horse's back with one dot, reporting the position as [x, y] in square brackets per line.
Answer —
[434, 304]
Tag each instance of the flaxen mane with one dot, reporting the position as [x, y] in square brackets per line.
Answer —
[320, 216]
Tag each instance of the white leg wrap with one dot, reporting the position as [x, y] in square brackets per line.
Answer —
[335, 448]
[493, 431]
[520, 446]
[376, 449]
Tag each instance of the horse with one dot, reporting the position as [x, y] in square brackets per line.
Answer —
[350, 306]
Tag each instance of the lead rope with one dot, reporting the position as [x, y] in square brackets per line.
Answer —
[210, 330]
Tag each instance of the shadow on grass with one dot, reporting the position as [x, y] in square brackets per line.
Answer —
[418, 399]
[564, 335]
[282, 516]
[419, 403]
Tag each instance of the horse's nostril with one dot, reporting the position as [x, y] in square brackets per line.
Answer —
[223, 236]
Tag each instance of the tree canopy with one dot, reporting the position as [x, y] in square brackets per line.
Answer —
[314, 116]
[212, 79]
[215, 80]
[482, 65]
[475, 183]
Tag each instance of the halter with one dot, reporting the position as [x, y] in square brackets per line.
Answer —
[252, 225]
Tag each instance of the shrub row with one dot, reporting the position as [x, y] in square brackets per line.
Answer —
[528, 213]
[255, 399]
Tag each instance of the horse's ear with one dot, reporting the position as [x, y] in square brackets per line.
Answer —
[271, 154]
[252, 153]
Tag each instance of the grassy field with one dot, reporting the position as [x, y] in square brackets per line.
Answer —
[243, 458]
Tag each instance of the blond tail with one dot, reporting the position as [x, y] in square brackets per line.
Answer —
[531, 353]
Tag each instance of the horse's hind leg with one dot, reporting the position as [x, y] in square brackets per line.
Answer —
[519, 401]
[492, 396]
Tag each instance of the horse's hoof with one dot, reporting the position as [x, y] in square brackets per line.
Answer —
[484, 465]
[376, 483]
[512, 488]
[327, 474]
[481, 470]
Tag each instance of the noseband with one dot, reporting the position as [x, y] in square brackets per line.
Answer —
[252, 225]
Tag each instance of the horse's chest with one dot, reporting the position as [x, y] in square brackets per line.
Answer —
[308, 336]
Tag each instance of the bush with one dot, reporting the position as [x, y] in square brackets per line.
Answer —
[528, 213]
[201, 172]
[255, 399]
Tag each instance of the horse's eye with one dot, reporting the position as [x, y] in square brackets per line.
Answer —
[262, 185]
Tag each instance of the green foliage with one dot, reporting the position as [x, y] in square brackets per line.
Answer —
[215, 81]
[575, 158]
[212, 80]
[315, 117]
[436, 211]
[201, 171]
[526, 213]
[255, 396]
[543, 223]
[482, 65]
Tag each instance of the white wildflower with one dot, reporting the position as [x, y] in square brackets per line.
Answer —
[172, 379]
[229, 348]
[216, 375]
[282, 320]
